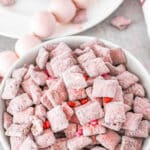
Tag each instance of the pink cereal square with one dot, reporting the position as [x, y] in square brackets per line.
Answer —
[32, 89]
[117, 56]
[7, 120]
[91, 43]
[74, 80]
[61, 63]
[19, 73]
[115, 70]
[114, 112]
[18, 130]
[142, 105]
[70, 132]
[37, 126]
[49, 70]
[58, 119]
[88, 112]
[132, 121]
[76, 94]
[112, 126]
[11, 88]
[40, 111]
[45, 101]
[78, 142]
[23, 117]
[136, 89]
[127, 79]
[60, 49]
[127, 108]
[50, 46]
[19, 103]
[119, 94]
[120, 22]
[141, 132]
[58, 91]
[28, 144]
[102, 52]
[16, 142]
[131, 143]
[95, 67]
[88, 55]
[90, 130]
[104, 88]
[42, 58]
[128, 99]
[30, 68]
[109, 140]
[46, 139]
[39, 77]
[89, 94]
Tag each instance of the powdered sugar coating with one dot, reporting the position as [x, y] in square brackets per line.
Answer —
[88, 112]
[109, 140]
[58, 119]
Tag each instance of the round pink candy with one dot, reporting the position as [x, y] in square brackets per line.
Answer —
[7, 59]
[25, 44]
[81, 4]
[43, 24]
[7, 2]
[64, 10]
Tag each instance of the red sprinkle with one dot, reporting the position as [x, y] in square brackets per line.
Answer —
[85, 77]
[107, 99]
[46, 72]
[79, 132]
[83, 101]
[71, 104]
[46, 125]
[93, 122]
[105, 75]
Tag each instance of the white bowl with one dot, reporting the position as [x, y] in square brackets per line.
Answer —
[132, 63]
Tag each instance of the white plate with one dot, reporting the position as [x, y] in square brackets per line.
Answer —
[15, 20]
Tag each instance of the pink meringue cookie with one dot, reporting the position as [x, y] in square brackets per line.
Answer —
[7, 2]
[43, 24]
[25, 44]
[64, 10]
[82, 4]
[7, 59]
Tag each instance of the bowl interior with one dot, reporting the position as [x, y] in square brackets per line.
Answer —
[132, 63]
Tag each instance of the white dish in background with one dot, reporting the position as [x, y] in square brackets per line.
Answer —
[132, 63]
[15, 20]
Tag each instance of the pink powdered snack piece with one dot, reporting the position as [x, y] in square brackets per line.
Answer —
[120, 22]
[71, 100]
[109, 140]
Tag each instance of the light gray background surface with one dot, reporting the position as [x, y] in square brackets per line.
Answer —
[134, 39]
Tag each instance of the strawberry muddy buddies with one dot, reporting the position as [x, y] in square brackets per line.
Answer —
[73, 99]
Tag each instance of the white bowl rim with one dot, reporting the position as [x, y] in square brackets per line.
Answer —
[72, 39]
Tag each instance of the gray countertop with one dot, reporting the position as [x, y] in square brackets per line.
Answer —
[134, 39]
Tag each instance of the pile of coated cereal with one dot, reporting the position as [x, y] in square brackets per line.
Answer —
[71, 99]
